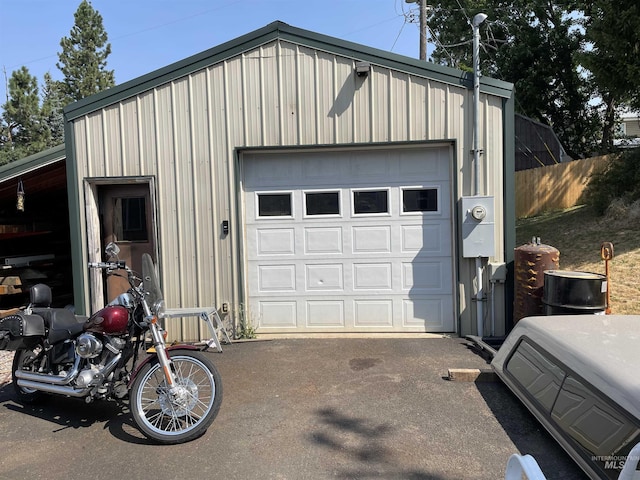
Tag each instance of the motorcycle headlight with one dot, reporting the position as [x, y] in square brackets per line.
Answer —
[124, 299]
[159, 308]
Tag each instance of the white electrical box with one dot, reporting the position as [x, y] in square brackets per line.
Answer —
[478, 227]
[497, 272]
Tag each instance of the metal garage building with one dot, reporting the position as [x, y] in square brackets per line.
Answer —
[304, 182]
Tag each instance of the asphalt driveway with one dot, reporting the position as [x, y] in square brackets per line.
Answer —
[301, 409]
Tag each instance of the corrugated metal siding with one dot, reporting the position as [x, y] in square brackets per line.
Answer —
[632, 127]
[280, 94]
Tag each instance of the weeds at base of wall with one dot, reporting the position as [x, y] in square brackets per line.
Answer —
[246, 330]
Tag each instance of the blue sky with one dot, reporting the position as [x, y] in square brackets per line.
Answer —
[149, 34]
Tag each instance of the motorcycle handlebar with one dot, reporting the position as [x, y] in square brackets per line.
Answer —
[109, 265]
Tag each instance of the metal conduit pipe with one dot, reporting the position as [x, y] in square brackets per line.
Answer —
[477, 20]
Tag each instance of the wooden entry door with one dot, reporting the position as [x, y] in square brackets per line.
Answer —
[127, 220]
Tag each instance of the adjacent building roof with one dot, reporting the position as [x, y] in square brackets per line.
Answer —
[41, 172]
[32, 162]
[537, 144]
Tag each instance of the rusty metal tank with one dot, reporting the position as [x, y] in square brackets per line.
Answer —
[530, 262]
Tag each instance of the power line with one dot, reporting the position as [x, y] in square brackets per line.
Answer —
[137, 32]
[398, 36]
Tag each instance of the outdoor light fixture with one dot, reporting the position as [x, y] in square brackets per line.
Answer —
[363, 69]
[20, 201]
[479, 18]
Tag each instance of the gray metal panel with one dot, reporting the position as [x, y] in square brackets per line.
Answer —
[290, 100]
[306, 96]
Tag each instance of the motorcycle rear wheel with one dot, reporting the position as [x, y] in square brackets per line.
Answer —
[187, 413]
[25, 395]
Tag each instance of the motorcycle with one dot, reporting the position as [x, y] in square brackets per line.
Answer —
[174, 391]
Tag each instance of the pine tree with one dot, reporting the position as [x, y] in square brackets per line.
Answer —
[83, 60]
[52, 104]
[24, 129]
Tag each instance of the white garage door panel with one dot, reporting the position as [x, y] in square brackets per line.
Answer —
[278, 314]
[324, 277]
[275, 241]
[322, 240]
[373, 313]
[372, 276]
[426, 239]
[425, 313]
[375, 239]
[276, 278]
[325, 313]
[346, 271]
[426, 277]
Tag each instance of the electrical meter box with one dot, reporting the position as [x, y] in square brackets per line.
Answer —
[478, 227]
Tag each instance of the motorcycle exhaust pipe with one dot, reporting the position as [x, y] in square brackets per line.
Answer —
[24, 380]
[50, 379]
[57, 389]
[43, 379]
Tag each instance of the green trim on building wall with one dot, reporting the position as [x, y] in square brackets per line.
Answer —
[509, 176]
[78, 261]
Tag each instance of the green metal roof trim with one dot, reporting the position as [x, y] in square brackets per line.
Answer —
[32, 162]
[283, 31]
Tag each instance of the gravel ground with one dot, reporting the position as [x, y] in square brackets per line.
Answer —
[6, 358]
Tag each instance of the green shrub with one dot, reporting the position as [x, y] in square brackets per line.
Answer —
[619, 181]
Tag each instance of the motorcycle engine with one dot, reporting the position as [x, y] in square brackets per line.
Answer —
[88, 346]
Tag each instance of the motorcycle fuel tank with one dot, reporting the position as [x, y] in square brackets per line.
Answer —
[112, 319]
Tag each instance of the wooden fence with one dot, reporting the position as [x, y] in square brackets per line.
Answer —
[554, 187]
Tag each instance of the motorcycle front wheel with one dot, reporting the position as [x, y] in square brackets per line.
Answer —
[181, 415]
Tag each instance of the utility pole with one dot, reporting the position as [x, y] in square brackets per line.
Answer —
[422, 4]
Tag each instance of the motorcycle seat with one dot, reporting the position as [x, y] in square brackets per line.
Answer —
[61, 322]
[40, 295]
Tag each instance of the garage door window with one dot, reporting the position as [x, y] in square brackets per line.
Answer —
[322, 203]
[416, 200]
[274, 204]
[366, 202]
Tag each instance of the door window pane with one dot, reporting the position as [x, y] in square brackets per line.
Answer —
[130, 219]
[370, 201]
[420, 200]
[322, 203]
[274, 204]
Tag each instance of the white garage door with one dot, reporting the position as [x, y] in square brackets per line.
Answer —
[349, 241]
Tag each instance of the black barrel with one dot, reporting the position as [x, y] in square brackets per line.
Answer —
[574, 293]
